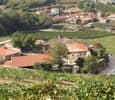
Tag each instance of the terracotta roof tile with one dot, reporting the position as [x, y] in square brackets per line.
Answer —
[27, 61]
[77, 47]
[6, 52]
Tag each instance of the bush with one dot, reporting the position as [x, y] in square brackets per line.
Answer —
[28, 92]
[85, 89]
[23, 41]
[19, 20]
[43, 66]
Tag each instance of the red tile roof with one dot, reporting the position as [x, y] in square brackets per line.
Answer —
[7, 52]
[27, 61]
[77, 47]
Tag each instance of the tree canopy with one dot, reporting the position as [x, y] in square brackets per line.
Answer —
[18, 20]
[58, 51]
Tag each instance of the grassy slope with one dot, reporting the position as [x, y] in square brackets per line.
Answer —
[77, 87]
[20, 74]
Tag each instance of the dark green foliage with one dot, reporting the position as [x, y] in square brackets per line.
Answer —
[80, 62]
[90, 65]
[106, 8]
[58, 51]
[40, 66]
[98, 59]
[24, 41]
[25, 4]
[87, 5]
[19, 20]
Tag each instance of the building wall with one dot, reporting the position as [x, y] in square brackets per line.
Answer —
[72, 57]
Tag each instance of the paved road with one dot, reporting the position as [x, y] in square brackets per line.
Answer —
[4, 42]
[111, 67]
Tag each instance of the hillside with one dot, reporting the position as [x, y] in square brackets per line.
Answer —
[24, 84]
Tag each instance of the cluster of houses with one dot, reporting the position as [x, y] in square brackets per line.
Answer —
[71, 15]
[74, 15]
[16, 58]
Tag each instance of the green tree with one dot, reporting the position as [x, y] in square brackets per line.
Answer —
[90, 65]
[18, 39]
[19, 20]
[24, 41]
[101, 52]
[58, 51]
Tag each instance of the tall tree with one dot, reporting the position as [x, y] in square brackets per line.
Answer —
[58, 51]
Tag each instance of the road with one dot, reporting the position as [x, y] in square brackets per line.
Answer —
[4, 42]
[111, 66]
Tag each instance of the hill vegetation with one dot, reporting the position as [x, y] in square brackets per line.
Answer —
[19, 20]
[42, 84]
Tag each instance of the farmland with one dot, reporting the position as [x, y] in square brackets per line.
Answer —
[83, 34]
[54, 85]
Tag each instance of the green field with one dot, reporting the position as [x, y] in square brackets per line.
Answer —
[18, 74]
[3, 38]
[82, 34]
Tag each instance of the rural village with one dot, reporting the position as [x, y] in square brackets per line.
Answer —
[73, 19]
[57, 49]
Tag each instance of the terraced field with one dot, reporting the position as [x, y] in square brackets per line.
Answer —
[23, 84]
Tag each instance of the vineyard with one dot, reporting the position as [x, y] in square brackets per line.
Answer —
[82, 34]
[23, 84]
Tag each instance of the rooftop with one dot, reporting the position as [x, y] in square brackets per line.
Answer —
[7, 52]
[77, 47]
[27, 61]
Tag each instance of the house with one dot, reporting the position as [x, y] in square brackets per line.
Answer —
[58, 19]
[77, 50]
[6, 54]
[61, 41]
[27, 61]
[72, 10]
[41, 46]
[81, 18]
[55, 11]
[111, 18]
